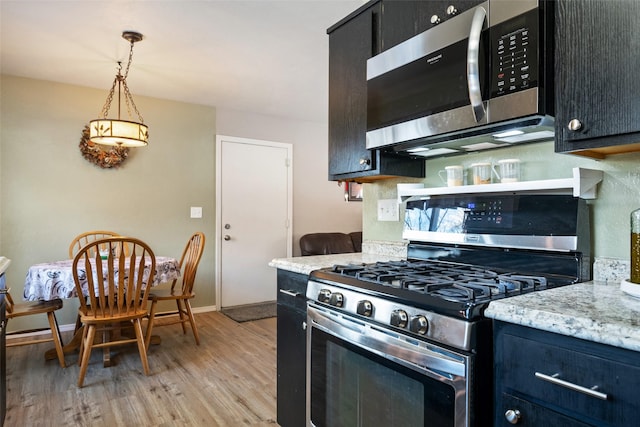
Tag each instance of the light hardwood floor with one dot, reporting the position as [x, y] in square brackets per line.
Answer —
[229, 380]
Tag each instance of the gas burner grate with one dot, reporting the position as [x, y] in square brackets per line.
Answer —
[447, 280]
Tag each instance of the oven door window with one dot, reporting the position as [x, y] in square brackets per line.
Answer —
[351, 386]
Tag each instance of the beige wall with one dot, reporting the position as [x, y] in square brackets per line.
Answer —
[618, 194]
[318, 204]
[50, 193]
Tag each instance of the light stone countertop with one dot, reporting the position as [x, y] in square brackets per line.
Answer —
[372, 251]
[595, 311]
[306, 264]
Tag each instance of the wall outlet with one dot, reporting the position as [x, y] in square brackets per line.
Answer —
[388, 210]
[196, 212]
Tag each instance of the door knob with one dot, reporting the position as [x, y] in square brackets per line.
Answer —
[227, 237]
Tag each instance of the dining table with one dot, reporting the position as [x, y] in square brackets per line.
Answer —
[50, 280]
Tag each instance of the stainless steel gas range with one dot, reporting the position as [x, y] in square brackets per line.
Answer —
[406, 343]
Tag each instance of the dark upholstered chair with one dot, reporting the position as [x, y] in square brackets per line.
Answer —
[356, 238]
[330, 243]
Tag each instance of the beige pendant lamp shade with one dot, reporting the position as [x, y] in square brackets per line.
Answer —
[123, 133]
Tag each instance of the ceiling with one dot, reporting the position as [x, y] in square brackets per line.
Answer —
[268, 57]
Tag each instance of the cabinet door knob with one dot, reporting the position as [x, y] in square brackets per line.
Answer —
[513, 416]
[575, 125]
[365, 162]
[435, 19]
[451, 10]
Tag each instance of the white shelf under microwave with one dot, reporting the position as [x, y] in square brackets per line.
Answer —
[583, 184]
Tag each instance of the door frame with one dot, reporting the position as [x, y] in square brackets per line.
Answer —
[218, 232]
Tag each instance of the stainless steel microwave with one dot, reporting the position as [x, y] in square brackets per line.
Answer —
[479, 80]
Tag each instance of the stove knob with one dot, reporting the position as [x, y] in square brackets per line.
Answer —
[324, 295]
[365, 308]
[399, 318]
[336, 299]
[419, 325]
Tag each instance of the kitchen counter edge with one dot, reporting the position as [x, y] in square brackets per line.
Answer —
[596, 311]
[307, 264]
[372, 251]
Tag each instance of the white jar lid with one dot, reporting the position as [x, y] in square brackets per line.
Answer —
[630, 288]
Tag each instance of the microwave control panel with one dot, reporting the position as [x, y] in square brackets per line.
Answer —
[525, 215]
[515, 54]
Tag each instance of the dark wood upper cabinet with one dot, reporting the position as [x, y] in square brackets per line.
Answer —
[596, 74]
[351, 43]
[597, 69]
[403, 19]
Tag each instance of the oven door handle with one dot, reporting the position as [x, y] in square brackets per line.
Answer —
[473, 64]
[387, 344]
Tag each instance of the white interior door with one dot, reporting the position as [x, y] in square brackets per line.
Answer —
[253, 206]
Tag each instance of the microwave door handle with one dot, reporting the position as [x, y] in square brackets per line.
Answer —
[473, 64]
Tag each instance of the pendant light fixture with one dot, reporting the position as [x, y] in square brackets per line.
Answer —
[123, 133]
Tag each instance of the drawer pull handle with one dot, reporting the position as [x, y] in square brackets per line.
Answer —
[513, 416]
[555, 379]
[290, 293]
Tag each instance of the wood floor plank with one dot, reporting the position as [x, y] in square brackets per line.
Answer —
[229, 380]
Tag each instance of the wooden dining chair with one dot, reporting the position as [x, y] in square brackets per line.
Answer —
[83, 239]
[180, 294]
[33, 308]
[108, 297]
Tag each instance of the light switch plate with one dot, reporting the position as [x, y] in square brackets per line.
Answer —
[388, 210]
[196, 212]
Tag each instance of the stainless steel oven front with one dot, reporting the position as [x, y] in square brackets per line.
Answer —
[360, 373]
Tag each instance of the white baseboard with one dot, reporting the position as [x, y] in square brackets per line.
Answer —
[205, 309]
[72, 326]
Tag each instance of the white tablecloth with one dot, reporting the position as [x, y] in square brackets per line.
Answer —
[52, 280]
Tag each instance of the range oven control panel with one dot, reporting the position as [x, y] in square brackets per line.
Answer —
[401, 318]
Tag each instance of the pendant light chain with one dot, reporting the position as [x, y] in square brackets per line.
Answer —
[107, 105]
[128, 98]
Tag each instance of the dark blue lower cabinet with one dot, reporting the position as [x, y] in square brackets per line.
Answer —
[292, 348]
[547, 379]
